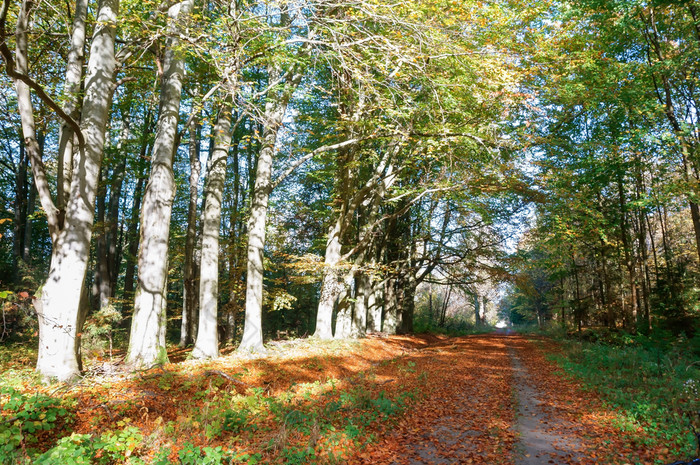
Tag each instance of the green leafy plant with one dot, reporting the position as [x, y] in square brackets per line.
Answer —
[24, 417]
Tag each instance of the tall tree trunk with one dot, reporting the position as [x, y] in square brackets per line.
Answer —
[390, 323]
[60, 319]
[234, 246]
[331, 286]
[101, 278]
[71, 99]
[133, 242]
[275, 109]
[252, 329]
[408, 302]
[344, 315]
[360, 310]
[629, 256]
[147, 339]
[207, 344]
[189, 299]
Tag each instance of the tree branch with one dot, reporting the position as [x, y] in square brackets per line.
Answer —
[10, 68]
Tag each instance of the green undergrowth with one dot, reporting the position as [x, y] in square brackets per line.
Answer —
[652, 383]
[317, 422]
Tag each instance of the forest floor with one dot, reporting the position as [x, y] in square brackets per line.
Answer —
[497, 399]
[402, 400]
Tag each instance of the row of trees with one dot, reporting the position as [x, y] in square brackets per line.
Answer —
[364, 132]
[617, 154]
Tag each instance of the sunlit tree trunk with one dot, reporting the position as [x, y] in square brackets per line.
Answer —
[360, 310]
[71, 105]
[252, 329]
[331, 286]
[207, 344]
[275, 109]
[344, 315]
[147, 339]
[390, 323]
[60, 318]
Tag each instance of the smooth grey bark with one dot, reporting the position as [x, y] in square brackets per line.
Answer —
[147, 339]
[390, 322]
[189, 298]
[71, 105]
[207, 344]
[252, 331]
[374, 305]
[331, 286]
[344, 315]
[60, 318]
[360, 315]
[275, 109]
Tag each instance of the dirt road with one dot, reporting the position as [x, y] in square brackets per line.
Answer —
[496, 399]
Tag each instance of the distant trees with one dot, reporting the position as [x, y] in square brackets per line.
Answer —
[615, 240]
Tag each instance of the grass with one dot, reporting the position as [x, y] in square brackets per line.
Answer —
[652, 384]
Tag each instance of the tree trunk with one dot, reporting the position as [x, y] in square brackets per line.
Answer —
[147, 340]
[60, 319]
[408, 302]
[101, 278]
[20, 219]
[252, 329]
[207, 344]
[71, 106]
[189, 298]
[391, 321]
[360, 310]
[375, 305]
[115, 196]
[27, 242]
[344, 316]
[330, 287]
[275, 109]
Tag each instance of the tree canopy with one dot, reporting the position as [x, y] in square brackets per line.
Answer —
[216, 173]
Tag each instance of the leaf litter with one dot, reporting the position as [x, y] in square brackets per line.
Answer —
[493, 399]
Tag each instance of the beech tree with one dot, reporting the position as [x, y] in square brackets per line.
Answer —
[59, 308]
[147, 339]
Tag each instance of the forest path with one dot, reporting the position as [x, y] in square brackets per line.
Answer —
[495, 399]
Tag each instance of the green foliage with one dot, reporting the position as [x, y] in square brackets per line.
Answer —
[236, 421]
[195, 455]
[651, 383]
[99, 331]
[19, 321]
[76, 449]
[106, 449]
[25, 417]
